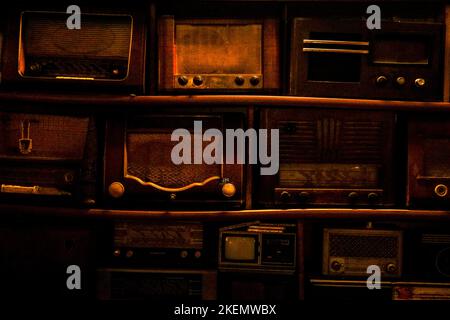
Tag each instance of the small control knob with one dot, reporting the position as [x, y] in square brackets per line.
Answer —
[198, 80]
[228, 190]
[116, 190]
[239, 80]
[353, 196]
[336, 266]
[401, 81]
[255, 80]
[173, 196]
[373, 196]
[441, 190]
[197, 254]
[420, 82]
[115, 71]
[183, 80]
[381, 80]
[35, 67]
[116, 253]
[303, 196]
[68, 177]
[391, 268]
[184, 254]
[129, 254]
[285, 196]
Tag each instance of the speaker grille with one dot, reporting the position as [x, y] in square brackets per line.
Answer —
[363, 246]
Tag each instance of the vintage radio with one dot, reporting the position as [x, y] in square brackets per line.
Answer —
[138, 284]
[218, 54]
[47, 157]
[421, 291]
[159, 243]
[432, 256]
[139, 165]
[428, 164]
[349, 252]
[107, 50]
[330, 157]
[343, 58]
[258, 246]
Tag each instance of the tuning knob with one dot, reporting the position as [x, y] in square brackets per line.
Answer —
[239, 80]
[400, 81]
[116, 253]
[35, 67]
[420, 82]
[254, 80]
[353, 196]
[228, 189]
[129, 254]
[303, 196]
[285, 196]
[183, 80]
[441, 190]
[336, 266]
[116, 190]
[68, 177]
[391, 268]
[198, 80]
[373, 196]
[381, 80]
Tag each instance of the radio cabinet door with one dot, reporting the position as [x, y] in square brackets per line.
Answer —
[143, 164]
[330, 157]
[428, 161]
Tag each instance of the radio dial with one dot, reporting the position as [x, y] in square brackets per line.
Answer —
[228, 190]
[336, 266]
[285, 196]
[239, 80]
[401, 81]
[420, 82]
[116, 190]
[198, 80]
[381, 80]
[254, 80]
[441, 190]
[391, 268]
[183, 80]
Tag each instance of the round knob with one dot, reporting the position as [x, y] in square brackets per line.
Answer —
[400, 81]
[336, 266]
[68, 177]
[239, 80]
[228, 190]
[353, 196]
[89, 202]
[381, 80]
[197, 254]
[391, 268]
[303, 196]
[285, 196]
[441, 190]
[373, 196]
[129, 253]
[183, 80]
[115, 71]
[173, 196]
[198, 80]
[420, 82]
[35, 67]
[254, 80]
[184, 254]
[116, 189]
[116, 253]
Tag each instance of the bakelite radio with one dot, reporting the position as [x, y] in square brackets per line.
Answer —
[47, 157]
[158, 243]
[107, 50]
[139, 167]
[330, 157]
[155, 284]
[343, 58]
[349, 252]
[218, 54]
[428, 161]
[432, 257]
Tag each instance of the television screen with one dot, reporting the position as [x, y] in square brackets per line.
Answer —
[240, 247]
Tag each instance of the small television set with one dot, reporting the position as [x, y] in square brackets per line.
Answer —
[240, 247]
